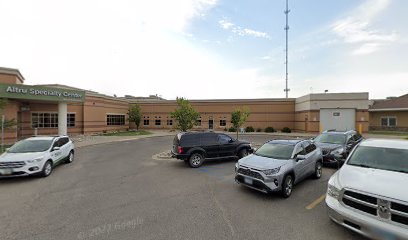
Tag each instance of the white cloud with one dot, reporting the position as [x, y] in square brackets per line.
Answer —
[356, 29]
[242, 31]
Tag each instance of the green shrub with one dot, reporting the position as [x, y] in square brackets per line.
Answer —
[270, 130]
[249, 129]
[259, 129]
[286, 130]
[232, 129]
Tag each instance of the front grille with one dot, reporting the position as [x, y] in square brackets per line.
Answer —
[379, 207]
[249, 172]
[18, 164]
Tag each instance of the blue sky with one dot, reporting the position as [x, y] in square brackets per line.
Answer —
[205, 49]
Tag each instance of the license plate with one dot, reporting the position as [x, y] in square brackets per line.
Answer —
[6, 171]
[248, 181]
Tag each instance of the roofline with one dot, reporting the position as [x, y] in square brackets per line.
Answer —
[12, 71]
[387, 109]
[148, 101]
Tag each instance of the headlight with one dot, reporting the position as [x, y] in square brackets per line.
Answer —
[271, 171]
[35, 160]
[333, 191]
[338, 151]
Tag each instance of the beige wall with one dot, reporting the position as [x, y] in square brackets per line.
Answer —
[264, 113]
[402, 120]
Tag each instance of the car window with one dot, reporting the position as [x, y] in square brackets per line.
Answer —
[299, 150]
[276, 151]
[309, 147]
[56, 143]
[331, 138]
[224, 139]
[209, 139]
[64, 141]
[190, 140]
[391, 159]
[26, 146]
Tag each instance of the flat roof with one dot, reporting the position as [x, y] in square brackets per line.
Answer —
[12, 71]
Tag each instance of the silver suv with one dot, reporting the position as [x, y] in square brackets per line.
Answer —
[369, 193]
[278, 165]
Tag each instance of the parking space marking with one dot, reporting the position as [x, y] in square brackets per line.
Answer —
[316, 202]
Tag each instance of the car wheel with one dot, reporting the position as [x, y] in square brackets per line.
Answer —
[47, 169]
[196, 160]
[287, 186]
[70, 157]
[242, 153]
[318, 170]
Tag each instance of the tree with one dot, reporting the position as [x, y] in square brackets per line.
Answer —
[185, 115]
[8, 123]
[135, 115]
[239, 117]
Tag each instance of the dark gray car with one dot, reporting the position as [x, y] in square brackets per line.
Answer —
[336, 146]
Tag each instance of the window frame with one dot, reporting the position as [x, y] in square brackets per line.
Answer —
[387, 118]
[223, 122]
[118, 119]
[52, 118]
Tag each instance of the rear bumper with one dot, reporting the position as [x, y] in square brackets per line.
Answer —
[362, 224]
[179, 156]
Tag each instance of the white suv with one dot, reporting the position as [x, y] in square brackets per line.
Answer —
[36, 156]
[369, 193]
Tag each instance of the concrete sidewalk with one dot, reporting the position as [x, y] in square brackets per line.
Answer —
[89, 140]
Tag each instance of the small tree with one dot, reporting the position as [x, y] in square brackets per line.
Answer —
[135, 115]
[8, 123]
[239, 117]
[185, 115]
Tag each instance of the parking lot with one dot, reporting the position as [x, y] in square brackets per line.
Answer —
[118, 191]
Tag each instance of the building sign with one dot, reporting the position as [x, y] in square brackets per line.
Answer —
[336, 114]
[19, 91]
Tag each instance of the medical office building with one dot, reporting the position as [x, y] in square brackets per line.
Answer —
[59, 109]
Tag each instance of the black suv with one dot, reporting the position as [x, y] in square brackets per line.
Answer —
[336, 145]
[195, 147]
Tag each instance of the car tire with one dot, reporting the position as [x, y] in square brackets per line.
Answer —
[47, 169]
[70, 157]
[287, 186]
[196, 160]
[242, 153]
[318, 170]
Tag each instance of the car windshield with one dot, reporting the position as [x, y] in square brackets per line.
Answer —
[331, 138]
[391, 159]
[277, 151]
[26, 146]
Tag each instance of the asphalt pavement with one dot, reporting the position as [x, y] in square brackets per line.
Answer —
[118, 191]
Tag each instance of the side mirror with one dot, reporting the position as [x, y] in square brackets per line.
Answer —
[56, 148]
[300, 158]
[231, 140]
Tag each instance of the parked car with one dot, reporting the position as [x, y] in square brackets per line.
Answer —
[36, 156]
[369, 193]
[335, 143]
[196, 147]
[278, 165]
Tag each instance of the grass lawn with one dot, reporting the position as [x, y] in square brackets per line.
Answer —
[128, 133]
[391, 133]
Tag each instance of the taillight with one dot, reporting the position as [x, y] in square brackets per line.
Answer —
[180, 150]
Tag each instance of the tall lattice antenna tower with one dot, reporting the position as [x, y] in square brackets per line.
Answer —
[287, 47]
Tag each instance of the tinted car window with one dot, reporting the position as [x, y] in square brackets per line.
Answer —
[331, 138]
[63, 141]
[300, 150]
[26, 146]
[224, 139]
[309, 147]
[380, 158]
[208, 139]
[190, 140]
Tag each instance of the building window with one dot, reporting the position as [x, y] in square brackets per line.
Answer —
[71, 119]
[388, 121]
[157, 122]
[198, 122]
[146, 122]
[115, 120]
[50, 120]
[223, 123]
[169, 122]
